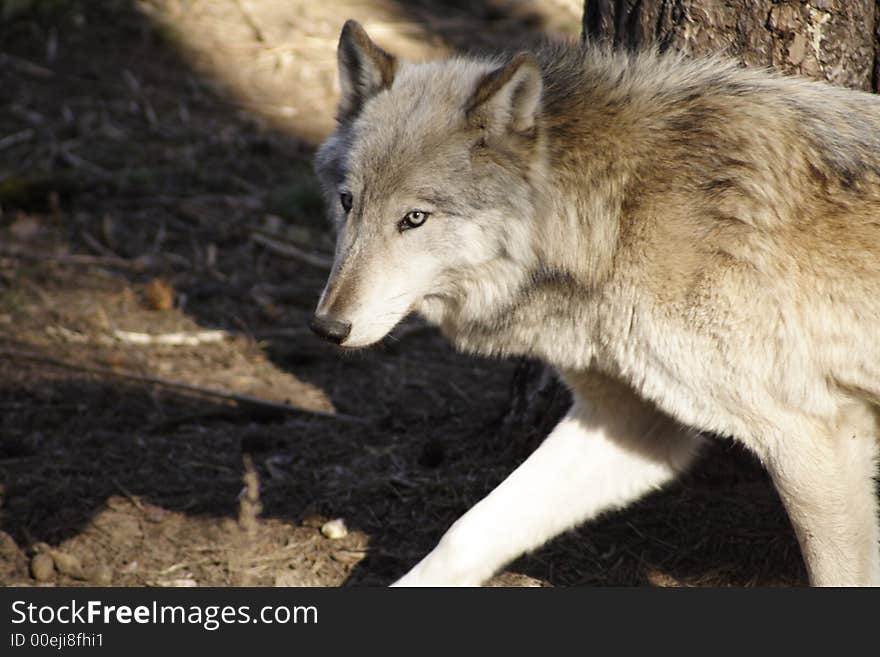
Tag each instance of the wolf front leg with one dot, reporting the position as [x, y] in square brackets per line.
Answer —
[610, 450]
[825, 477]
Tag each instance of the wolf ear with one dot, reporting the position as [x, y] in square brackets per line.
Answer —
[508, 98]
[364, 69]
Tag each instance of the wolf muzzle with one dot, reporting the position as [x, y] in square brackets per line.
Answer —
[334, 330]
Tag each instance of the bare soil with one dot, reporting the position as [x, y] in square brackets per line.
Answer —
[155, 187]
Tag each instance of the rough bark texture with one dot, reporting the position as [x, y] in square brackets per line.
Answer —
[835, 40]
[877, 47]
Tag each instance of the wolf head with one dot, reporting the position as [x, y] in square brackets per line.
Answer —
[429, 179]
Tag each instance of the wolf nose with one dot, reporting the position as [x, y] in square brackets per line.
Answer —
[334, 330]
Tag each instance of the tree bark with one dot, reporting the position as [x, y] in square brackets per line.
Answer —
[834, 40]
[877, 47]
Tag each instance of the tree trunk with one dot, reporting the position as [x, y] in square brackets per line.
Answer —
[834, 40]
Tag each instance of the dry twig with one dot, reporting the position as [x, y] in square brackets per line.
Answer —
[269, 241]
[139, 264]
[179, 339]
[17, 138]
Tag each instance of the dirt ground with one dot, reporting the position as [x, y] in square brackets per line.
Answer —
[161, 247]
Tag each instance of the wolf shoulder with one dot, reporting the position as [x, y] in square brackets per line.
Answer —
[745, 207]
[713, 129]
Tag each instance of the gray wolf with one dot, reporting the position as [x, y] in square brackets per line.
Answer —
[693, 246]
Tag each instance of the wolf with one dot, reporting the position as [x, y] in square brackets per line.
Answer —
[693, 246]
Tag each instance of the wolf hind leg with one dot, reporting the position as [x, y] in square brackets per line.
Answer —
[610, 450]
[827, 486]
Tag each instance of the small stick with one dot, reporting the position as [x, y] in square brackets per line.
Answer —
[93, 243]
[131, 498]
[16, 138]
[180, 339]
[139, 264]
[177, 385]
[79, 163]
[291, 251]
[26, 66]
[73, 259]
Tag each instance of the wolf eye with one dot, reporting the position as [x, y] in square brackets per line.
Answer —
[346, 200]
[412, 219]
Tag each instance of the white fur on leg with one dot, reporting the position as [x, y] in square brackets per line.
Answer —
[826, 481]
[591, 462]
